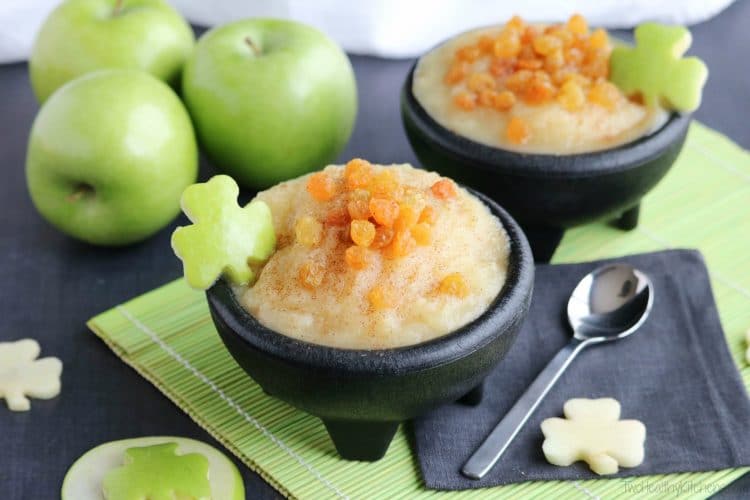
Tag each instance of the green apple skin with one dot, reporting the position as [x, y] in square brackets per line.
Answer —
[270, 99]
[81, 36]
[109, 155]
[83, 481]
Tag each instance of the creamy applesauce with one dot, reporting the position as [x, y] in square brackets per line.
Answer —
[373, 257]
[531, 88]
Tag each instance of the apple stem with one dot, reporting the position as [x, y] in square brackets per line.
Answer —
[81, 191]
[118, 6]
[252, 45]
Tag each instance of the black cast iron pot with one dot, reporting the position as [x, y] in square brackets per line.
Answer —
[363, 395]
[548, 193]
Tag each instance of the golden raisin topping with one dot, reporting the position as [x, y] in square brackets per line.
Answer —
[454, 284]
[311, 274]
[565, 64]
[371, 212]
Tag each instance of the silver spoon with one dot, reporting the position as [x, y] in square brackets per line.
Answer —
[608, 304]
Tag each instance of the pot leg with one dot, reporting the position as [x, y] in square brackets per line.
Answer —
[544, 241]
[629, 218]
[356, 440]
[474, 396]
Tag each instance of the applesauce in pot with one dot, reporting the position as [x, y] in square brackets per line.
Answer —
[531, 88]
[374, 257]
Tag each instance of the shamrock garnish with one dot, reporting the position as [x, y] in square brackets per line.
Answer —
[22, 374]
[593, 432]
[655, 69]
[158, 473]
[224, 237]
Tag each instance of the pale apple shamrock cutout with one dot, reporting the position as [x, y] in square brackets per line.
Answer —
[157, 472]
[224, 239]
[593, 432]
[655, 69]
[22, 374]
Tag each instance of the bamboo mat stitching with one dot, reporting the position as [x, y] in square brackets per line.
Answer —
[586, 491]
[229, 401]
[715, 160]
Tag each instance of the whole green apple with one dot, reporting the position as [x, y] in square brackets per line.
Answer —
[80, 36]
[109, 156]
[270, 99]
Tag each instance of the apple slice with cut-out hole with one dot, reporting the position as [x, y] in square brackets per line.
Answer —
[86, 477]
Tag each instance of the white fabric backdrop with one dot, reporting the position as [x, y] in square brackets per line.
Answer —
[388, 28]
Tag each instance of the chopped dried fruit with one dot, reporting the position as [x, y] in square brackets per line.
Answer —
[337, 217]
[456, 72]
[384, 211]
[486, 43]
[595, 66]
[356, 257]
[384, 184]
[468, 53]
[571, 96]
[402, 245]
[604, 94]
[539, 92]
[546, 44]
[311, 274]
[321, 186]
[533, 63]
[357, 174]
[415, 198]
[486, 98]
[518, 131]
[422, 234]
[454, 284]
[408, 215]
[481, 81]
[308, 231]
[529, 63]
[507, 45]
[427, 216]
[383, 237]
[358, 206]
[578, 25]
[500, 68]
[362, 232]
[554, 60]
[598, 39]
[516, 23]
[444, 189]
[518, 80]
[465, 100]
[573, 56]
[504, 100]
[379, 298]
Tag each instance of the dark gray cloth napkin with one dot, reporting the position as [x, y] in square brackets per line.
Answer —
[675, 375]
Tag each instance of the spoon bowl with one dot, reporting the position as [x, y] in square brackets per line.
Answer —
[610, 303]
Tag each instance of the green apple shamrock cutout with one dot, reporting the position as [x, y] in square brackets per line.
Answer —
[158, 473]
[656, 70]
[224, 239]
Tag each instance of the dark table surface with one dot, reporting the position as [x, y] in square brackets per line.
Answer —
[52, 284]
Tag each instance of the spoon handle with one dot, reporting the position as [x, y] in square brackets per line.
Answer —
[501, 436]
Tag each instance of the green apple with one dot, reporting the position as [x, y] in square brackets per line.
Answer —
[80, 36]
[270, 99]
[109, 156]
[102, 472]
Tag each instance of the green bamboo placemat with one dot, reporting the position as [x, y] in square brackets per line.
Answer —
[168, 337]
